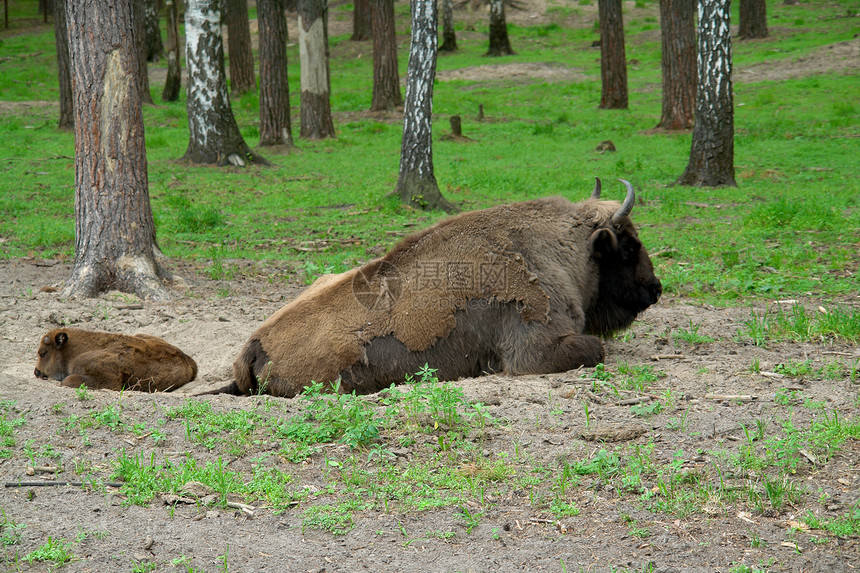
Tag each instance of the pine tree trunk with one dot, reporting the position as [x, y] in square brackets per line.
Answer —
[114, 228]
[239, 50]
[173, 81]
[678, 33]
[416, 183]
[449, 36]
[139, 35]
[712, 151]
[316, 119]
[154, 45]
[362, 26]
[275, 127]
[613, 61]
[386, 79]
[215, 137]
[500, 45]
[61, 34]
[753, 19]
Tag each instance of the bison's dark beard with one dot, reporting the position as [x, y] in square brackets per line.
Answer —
[614, 310]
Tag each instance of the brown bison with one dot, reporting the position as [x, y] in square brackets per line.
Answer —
[520, 289]
[102, 360]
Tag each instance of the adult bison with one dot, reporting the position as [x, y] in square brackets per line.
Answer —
[520, 289]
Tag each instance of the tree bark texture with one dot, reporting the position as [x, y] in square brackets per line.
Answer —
[362, 26]
[500, 45]
[239, 51]
[449, 36]
[154, 45]
[139, 35]
[386, 78]
[316, 118]
[613, 61]
[114, 228]
[275, 127]
[173, 81]
[712, 151]
[678, 33]
[215, 137]
[61, 36]
[416, 183]
[753, 19]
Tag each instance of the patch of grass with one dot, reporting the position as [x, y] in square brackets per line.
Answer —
[54, 552]
[10, 531]
[798, 325]
[692, 335]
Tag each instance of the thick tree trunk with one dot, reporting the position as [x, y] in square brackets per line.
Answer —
[114, 228]
[139, 35]
[678, 33]
[61, 35]
[154, 45]
[712, 151]
[239, 50]
[275, 127]
[362, 26]
[315, 110]
[613, 61]
[753, 19]
[416, 184]
[173, 81]
[499, 43]
[215, 137]
[449, 36]
[386, 79]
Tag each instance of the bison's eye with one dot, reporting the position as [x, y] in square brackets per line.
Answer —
[43, 353]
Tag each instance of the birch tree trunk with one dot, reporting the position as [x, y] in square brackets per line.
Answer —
[500, 45]
[61, 35]
[239, 47]
[215, 137]
[173, 81]
[678, 35]
[449, 36]
[386, 79]
[315, 110]
[613, 61]
[416, 183]
[114, 229]
[712, 151]
[275, 126]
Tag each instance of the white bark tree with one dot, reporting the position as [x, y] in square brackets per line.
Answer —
[315, 111]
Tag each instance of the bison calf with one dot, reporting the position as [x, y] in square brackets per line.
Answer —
[108, 361]
[521, 289]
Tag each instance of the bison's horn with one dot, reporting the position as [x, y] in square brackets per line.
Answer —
[627, 206]
[596, 193]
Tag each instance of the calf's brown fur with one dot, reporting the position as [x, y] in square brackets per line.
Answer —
[107, 361]
[519, 288]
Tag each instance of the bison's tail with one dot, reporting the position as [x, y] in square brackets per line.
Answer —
[231, 388]
[247, 365]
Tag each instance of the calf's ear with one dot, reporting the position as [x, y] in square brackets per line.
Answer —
[61, 339]
[602, 242]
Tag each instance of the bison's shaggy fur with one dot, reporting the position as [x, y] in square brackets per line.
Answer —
[102, 360]
[518, 288]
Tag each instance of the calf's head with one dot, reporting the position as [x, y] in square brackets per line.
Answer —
[51, 362]
[626, 282]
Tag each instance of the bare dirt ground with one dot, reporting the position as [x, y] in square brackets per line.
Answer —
[543, 415]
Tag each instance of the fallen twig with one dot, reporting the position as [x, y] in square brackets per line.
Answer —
[731, 397]
[58, 483]
[659, 357]
[246, 509]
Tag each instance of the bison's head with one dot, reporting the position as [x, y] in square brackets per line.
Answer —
[626, 283]
[51, 362]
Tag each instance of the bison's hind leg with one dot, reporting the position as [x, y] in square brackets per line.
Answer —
[564, 353]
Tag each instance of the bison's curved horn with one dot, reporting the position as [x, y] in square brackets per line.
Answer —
[596, 193]
[627, 206]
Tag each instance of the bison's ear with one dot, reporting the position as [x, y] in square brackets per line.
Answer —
[602, 242]
[61, 339]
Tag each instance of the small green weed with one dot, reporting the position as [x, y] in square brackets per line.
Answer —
[55, 552]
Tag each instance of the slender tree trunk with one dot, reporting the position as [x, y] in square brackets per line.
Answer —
[239, 50]
[449, 36]
[613, 61]
[499, 43]
[114, 229]
[753, 19]
[275, 127]
[416, 183]
[712, 151]
[362, 27]
[61, 34]
[678, 33]
[386, 79]
[154, 45]
[215, 137]
[139, 35]
[315, 109]
[173, 82]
